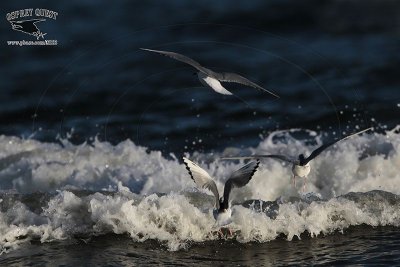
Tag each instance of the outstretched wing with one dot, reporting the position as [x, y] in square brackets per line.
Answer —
[236, 78]
[319, 150]
[239, 179]
[181, 58]
[202, 178]
[281, 157]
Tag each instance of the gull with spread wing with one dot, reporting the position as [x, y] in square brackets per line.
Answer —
[301, 165]
[222, 212]
[211, 78]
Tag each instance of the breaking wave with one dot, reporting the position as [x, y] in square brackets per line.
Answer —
[53, 191]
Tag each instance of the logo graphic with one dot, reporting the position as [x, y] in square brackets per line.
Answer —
[29, 27]
[28, 21]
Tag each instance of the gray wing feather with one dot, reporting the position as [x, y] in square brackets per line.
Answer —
[239, 178]
[320, 149]
[236, 78]
[181, 58]
[202, 178]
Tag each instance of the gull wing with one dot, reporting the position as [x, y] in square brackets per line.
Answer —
[202, 178]
[236, 78]
[239, 179]
[181, 58]
[320, 149]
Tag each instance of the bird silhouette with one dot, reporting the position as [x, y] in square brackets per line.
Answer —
[28, 27]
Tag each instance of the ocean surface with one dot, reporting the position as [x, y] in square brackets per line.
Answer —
[93, 130]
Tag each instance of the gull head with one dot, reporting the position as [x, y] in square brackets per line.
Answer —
[302, 158]
[222, 206]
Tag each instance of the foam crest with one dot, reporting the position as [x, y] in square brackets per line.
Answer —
[28, 166]
[176, 222]
[64, 191]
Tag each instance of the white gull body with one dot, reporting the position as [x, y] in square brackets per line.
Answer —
[222, 218]
[301, 171]
[213, 83]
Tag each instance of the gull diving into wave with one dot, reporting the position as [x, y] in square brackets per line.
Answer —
[211, 78]
[222, 212]
[300, 166]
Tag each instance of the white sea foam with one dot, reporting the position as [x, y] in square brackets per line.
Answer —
[122, 181]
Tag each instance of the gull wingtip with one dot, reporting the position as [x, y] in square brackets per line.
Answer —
[272, 93]
[365, 130]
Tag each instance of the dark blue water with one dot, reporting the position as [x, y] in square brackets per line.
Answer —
[333, 63]
[332, 70]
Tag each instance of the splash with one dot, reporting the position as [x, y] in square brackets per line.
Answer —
[65, 191]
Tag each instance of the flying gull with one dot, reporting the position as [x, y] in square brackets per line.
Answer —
[301, 165]
[211, 78]
[222, 212]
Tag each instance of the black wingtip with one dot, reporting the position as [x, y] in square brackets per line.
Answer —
[188, 169]
[256, 167]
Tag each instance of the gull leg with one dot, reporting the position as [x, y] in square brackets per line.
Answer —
[294, 181]
[220, 232]
[304, 184]
[230, 231]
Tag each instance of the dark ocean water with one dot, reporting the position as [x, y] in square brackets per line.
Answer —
[95, 111]
[330, 69]
[356, 246]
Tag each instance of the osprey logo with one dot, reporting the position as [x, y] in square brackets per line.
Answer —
[29, 27]
[28, 21]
